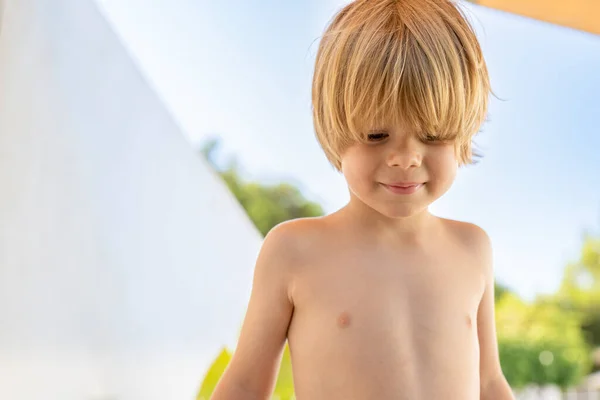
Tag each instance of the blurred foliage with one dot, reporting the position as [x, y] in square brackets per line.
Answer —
[266, 205]
[499, 291]
[540, 343]
[538, 362]
[580, 290]
[284, 388]
[561, 329]
[547, 341]
[214, 374]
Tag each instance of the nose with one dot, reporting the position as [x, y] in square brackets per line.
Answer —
[405, 155]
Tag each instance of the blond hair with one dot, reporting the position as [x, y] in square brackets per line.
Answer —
[415, 61]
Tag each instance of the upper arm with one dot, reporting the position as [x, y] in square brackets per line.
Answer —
[489, 364]
[254, 364]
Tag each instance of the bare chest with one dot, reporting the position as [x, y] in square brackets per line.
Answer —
[366, 293]
[380, 320]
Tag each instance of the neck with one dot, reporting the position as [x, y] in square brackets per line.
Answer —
[410, 229]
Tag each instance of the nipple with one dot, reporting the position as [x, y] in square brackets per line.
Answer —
[469, 321]
[343, 320]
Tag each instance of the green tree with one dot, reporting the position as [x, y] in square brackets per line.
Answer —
[551, 340]
[209, 149]
[540, 343]
[266, 205]
[500, 290]
[580, 290]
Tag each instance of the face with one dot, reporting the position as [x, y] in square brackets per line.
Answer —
[398, 174]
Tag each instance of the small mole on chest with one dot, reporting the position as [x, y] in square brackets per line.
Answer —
[343, 320]
[469, 321]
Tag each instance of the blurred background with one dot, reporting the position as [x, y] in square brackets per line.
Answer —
[147, 147]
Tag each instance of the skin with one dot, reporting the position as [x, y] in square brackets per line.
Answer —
[379, 300]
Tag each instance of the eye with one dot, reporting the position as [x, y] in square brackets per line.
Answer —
[431, 138]
[376, 136]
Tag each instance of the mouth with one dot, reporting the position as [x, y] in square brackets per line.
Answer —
[404, 187]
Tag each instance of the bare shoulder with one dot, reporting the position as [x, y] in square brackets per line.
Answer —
[474, 239]
[469, 233]
[295, 240]
[297, 233]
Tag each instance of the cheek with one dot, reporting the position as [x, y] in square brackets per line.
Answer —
[444, 166]
[358, 167]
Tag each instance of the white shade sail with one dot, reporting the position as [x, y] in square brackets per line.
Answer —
[125, 263]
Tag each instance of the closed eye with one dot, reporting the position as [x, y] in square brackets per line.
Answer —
[374, 137]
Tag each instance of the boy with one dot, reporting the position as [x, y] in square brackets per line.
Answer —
[381, 299]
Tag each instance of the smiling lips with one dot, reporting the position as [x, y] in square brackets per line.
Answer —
[403, 187]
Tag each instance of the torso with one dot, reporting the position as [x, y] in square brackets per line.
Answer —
[372, 323]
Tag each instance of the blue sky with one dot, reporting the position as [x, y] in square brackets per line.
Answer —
[241, 70]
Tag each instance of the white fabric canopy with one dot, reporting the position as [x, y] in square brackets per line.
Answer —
[125, 263]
